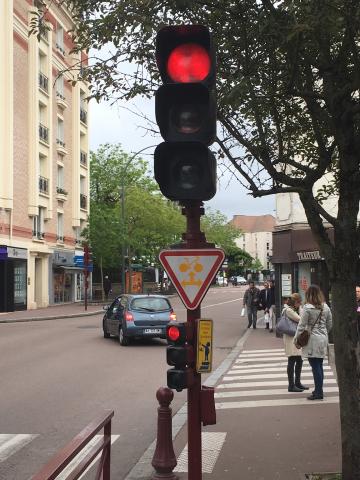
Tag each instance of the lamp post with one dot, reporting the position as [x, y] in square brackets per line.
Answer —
[122, 193]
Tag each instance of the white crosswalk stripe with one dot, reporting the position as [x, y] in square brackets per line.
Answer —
[12, 443]
[263, 373]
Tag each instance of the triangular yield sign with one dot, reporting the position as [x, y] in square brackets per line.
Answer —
[191, 272]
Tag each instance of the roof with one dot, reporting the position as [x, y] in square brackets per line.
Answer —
[253, 223]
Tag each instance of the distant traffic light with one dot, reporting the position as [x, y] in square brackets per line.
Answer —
[185, 107]
[180, 355]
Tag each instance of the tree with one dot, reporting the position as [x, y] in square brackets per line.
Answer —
[288, 95]
[217, 230]
[239, 261]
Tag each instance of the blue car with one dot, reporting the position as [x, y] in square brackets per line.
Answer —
[137, 316]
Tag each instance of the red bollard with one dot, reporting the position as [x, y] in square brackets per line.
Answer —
[164, 460]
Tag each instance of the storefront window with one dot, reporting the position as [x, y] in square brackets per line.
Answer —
[20, 285]
[304, 278]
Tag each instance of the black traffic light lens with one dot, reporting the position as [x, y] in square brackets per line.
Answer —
[189, 62]
[187, 118]
[188, 174]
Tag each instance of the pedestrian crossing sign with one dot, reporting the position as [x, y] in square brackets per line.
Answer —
[204, 345]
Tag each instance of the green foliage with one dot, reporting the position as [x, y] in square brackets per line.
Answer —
[238, 261]
[217, 230]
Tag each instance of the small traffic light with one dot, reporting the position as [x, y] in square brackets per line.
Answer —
[185, 107]
[180, 355]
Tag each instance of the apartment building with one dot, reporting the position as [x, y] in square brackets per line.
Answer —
[44, 177]
[256, 237]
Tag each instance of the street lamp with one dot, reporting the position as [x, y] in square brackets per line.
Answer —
[122, 193]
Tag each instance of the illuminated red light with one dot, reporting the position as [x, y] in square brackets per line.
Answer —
[173, 333]
[188, 63]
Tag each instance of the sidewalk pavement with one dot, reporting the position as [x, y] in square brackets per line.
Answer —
[69, 310]
[263, 432]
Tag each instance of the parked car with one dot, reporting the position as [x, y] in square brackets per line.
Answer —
[136, 316]
[222, 281]
[241, 280]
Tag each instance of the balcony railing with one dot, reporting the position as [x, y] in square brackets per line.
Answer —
[38, 235]
[60, 238]
[61, 190]
[83, 158]
[43, 82]
[60, 95]
[43, 133]
[43, 185]
[83, 116]
[60, 48]
[61, 143]
[83, 201]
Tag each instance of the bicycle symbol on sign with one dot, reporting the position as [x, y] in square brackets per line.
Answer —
[193, 267]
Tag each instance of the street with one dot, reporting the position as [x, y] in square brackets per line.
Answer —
[58, 375]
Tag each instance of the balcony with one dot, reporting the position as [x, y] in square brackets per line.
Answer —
[60, 49]
[44, 133]
[83, 116]
[43, 82]
[61, 194]
[83, 158]
[61, 143]
[60, 100]
[83, 201]
[43, 185]
[60, 238]
[38, 235]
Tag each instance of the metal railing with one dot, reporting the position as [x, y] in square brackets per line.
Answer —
[43, 184]
[38, 235]
[83, 201]
[60, 95]
[60, 238]
[83, 158]
[60, 48]
[61, 190]
[62, 460]
[43, 82]
[60, 142]
[83, 116]
[43, 133]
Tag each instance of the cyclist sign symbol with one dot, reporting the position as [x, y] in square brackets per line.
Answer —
[191, 272]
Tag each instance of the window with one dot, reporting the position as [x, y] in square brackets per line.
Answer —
[38, 224]
[60, 87]
[60, 39]
[60, 227]
[60, 132]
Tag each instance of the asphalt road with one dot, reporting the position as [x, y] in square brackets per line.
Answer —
[58, 375]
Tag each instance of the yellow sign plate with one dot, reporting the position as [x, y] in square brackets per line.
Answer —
[204, 346]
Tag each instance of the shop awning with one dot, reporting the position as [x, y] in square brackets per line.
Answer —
[71, 269]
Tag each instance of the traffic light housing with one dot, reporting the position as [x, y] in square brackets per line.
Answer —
[180, 355]
[185, 108]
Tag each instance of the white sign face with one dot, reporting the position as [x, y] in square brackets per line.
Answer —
[191, 272]
[286, 287]
[14, 252]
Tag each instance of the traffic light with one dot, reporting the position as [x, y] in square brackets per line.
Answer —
[180, 355]
[185, 108]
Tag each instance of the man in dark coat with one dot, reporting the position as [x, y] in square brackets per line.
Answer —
[107, 286]
[266, 302]
[252, 301]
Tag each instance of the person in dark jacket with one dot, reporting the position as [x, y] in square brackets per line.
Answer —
[107, 287]
[251, 302]
[265, 302]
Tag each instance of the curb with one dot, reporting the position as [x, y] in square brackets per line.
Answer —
[52, 317]
[143, 468]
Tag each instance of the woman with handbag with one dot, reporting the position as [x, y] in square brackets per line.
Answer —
[312, 335]
[295, 362]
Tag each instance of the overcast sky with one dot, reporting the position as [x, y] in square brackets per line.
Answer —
[114, 124]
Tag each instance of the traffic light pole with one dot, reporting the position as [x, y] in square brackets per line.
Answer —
[194, 238]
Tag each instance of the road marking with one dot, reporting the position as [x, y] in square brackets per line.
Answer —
[212, 305]
[12, 443]
[274, 403]
[211, 445]
[268, 375]
[239, 370]
[80, 456]
[267, 350]
[263, 354]
[264, 393]
[262, 384]
[242, 361]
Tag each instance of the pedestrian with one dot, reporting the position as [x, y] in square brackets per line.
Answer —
[252, 301]
[357, 298]
[265, 303]
[295, 362]
[317, 319]
[272, 309]
[107, 286]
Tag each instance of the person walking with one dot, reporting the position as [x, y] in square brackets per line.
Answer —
[295, 362]
[107, 286]
[251, 302]
[265, 302]
[317, 319]
[272, 316]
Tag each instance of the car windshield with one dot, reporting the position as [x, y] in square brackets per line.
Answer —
[150, 304]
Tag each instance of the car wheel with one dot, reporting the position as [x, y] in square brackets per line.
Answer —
[106, 333]
[123, 339]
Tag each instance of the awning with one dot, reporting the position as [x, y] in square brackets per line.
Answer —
[71, 269]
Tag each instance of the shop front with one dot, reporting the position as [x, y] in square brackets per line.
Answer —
[298, 264]
[66, 278]
[13, 278]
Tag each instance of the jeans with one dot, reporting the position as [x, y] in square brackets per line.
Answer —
[318, 374]
[252, 316]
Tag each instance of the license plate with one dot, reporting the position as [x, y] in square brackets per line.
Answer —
[152, 330]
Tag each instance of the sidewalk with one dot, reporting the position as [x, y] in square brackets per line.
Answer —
[263, 432]
[69, 310]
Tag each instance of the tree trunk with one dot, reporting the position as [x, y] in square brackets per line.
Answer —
[102, 279]
[347, 357]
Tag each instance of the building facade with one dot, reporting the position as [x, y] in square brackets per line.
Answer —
[44, 180]
[256, 238]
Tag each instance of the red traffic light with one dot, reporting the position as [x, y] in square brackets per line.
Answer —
[173, 333]
[188, 62]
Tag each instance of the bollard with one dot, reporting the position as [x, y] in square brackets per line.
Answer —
[164, 460]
